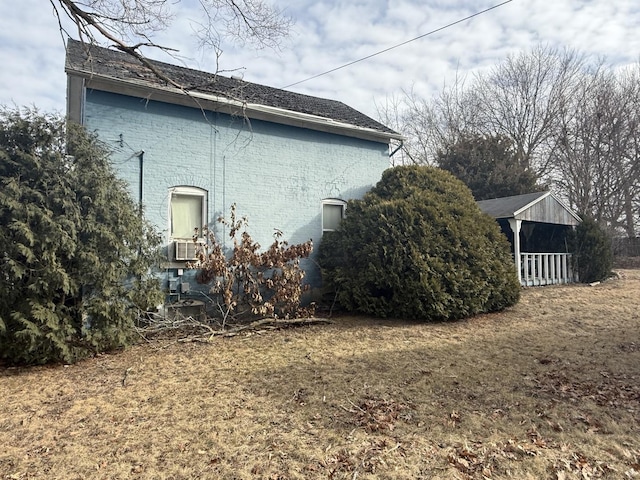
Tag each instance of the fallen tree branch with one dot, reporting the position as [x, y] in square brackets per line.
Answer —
[264, 323]
[202, 331]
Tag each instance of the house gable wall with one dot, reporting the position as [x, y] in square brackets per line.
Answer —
[277, 175]
[548, 210]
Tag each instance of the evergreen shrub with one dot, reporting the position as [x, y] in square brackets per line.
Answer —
[75, 252]
[592, 254]
[418, 247]
[489, 165]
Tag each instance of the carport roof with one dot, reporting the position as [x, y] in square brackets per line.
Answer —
[541, 207]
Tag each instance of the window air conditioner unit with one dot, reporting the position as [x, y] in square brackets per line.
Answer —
[185, 249]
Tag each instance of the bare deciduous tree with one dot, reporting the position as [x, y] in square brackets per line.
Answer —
[518, 99]
[521, 97]
[630, 87]
[129, 25]
[430, 125]
[596, 159]
[392, 113]
[574, 123]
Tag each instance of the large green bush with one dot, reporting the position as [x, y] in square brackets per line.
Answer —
[75, 252]
[417, 246]
[591, 247]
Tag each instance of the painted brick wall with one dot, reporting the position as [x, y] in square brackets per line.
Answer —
[277, 175]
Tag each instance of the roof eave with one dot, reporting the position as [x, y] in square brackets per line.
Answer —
[573, 214]
[530, 204]
[542, 197]
[232, 107]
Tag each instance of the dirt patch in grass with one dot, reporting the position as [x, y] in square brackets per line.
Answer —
[547, 389]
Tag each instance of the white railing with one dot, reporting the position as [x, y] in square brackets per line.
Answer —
[545, 269]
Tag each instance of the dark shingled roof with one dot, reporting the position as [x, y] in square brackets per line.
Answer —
[506, 207]
[115, 64]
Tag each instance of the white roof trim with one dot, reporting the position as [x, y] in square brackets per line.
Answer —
[531, 204]
[542, 197]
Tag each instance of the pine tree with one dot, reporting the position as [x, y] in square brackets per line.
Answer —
[489, 166]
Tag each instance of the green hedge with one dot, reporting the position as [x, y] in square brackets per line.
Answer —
[75, 251]
[417, 246]
[592, 253]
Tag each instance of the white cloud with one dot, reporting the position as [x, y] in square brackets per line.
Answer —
[331, 33]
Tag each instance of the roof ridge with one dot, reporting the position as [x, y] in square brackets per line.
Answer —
[117, 64]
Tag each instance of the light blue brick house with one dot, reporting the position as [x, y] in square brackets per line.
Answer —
[288, 161]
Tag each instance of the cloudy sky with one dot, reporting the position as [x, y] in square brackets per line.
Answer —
[330, 33]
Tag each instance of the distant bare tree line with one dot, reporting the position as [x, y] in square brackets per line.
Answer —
[573, 122]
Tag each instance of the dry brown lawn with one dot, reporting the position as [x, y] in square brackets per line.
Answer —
[549, 389]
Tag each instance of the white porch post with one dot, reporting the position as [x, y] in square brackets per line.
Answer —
[516, 225]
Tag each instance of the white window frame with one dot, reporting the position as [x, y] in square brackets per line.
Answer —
[188, 191]
[332, 201]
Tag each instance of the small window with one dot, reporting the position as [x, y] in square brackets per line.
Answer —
[187, 211]
[332, 214]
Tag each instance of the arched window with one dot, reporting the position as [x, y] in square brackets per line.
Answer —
[187, 211]
[333, 210]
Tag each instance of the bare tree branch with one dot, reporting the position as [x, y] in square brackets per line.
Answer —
[131, 24]
[574, 123]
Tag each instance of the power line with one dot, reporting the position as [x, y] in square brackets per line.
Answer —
[398, 45]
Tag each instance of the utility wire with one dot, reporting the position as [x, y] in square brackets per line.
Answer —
[398, 45]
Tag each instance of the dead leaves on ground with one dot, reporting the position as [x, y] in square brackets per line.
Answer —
[609, 390]
[578, 465]
[378, 418]
[478, 460]
[484, 459]
[368, 457]
[376, 414]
